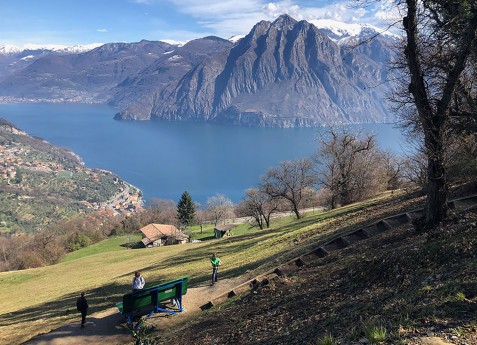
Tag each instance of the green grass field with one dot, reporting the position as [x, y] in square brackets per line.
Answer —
[36, 300]
[110, 245]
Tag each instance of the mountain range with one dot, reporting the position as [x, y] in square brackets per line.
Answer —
[284, 73]
[13, 58]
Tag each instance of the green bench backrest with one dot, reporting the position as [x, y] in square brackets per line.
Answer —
[153, 295]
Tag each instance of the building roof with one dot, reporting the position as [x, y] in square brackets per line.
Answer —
[156, 231]
[225, 227]
[146, 241]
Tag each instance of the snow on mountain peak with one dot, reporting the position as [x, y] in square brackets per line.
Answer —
[338, 30]
[9, 49]
[174, 43]
[62, 49]
[236, 38]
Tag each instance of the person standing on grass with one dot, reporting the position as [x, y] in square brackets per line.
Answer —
[138, 282]
[82, 306]
[215, 266]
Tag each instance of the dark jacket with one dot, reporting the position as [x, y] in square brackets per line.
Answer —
[82, 304]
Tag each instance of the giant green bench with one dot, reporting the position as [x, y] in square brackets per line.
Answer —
[152, 296]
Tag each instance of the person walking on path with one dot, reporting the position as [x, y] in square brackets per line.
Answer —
[138, 282]
[82, 306]
[215, 266]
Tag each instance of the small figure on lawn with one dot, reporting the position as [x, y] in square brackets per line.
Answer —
[82, 306]
[215, 266]
[138, 282]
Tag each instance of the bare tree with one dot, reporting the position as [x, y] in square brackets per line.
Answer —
[289, 181]
[370, 175]
[159, 211]
[220, 207]
[311, 198]
[344, 162]
[4, 248]
[201, 217]
[415, 169]
[432, 84]
[393, 169]
[462, 158]
[260, 206]
[438, 83]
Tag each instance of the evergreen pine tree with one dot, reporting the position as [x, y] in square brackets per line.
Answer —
[186, 209]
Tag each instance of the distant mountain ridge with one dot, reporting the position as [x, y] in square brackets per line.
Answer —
[171, 66]
[87, 76]
[62, 49]
[286, 73]
[14, 58]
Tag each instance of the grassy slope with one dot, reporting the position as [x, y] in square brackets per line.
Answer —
[391, 289]
[111, 245]
[107, 275]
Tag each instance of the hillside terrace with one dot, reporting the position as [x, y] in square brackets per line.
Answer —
[73, 99]
[10, 162]
[128, 206]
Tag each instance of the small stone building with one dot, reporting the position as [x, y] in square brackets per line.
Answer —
[223, 230]
[155, 235]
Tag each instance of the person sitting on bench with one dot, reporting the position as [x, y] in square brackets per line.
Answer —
[138, 282]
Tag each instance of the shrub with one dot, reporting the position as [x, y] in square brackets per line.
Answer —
[326, 340]
[375, 334]
[77, 241]
[30, 260]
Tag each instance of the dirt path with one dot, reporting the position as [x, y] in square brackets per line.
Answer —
[108, 327]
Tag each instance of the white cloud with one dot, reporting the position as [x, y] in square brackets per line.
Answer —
[178, 35]
[275, 9]
[226, 18]
[230, 17]
[388, 14]
[102, 30]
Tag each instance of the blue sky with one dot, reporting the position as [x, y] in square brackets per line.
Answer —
[70, 22]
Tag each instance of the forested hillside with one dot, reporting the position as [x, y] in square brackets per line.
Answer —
[41, 183]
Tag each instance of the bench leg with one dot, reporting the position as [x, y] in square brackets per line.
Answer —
[139, 324]
[165, 310]
[179, 303]
[129, 319]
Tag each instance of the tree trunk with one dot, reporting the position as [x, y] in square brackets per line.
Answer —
[433, 120]
[333, 201]
[259, 221]
[267, 221]
[437, 189]
[297, 212]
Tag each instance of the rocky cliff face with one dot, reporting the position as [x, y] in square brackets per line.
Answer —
[285, 73]
[170, 66]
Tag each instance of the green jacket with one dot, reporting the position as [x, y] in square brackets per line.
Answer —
[215, 262]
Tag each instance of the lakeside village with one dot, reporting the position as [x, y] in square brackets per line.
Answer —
[73, 99]
[126, 201]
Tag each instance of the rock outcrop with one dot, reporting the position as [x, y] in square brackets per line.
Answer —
[286, 73]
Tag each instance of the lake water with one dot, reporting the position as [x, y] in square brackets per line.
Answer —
[164, 159]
